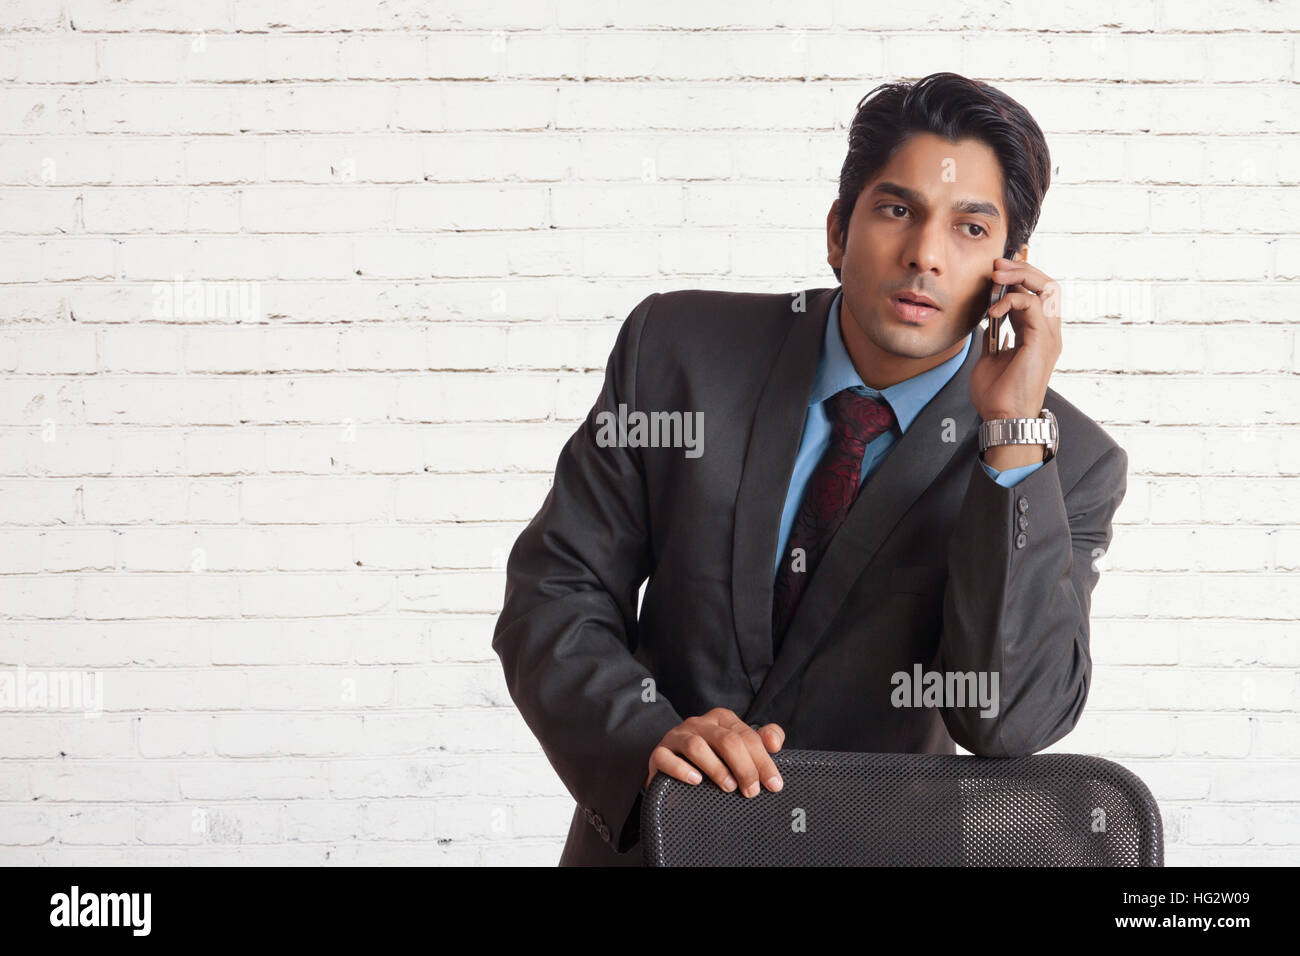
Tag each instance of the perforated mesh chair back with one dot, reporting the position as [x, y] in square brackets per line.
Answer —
[884, 809]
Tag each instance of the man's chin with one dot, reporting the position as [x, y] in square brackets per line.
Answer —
[912, 342]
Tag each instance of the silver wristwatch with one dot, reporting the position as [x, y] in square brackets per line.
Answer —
[1021, 431]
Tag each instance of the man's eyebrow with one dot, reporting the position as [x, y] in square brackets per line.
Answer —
[962, 206]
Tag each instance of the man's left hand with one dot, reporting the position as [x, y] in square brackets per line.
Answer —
[1013, 382]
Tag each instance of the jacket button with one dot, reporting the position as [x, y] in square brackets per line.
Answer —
[1022, 503]
[1022, 522]
[1021, 539]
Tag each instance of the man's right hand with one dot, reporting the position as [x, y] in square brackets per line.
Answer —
[724, 747]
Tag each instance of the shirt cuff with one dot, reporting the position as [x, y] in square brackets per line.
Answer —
[1012, 476]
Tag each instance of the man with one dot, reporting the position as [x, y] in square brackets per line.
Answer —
[837, 533]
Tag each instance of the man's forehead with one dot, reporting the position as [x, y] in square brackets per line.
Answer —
[929, 164]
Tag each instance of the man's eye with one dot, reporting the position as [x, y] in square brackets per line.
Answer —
[892, 207]
[973, 225]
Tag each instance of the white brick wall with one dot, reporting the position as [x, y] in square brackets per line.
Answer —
[278, 535]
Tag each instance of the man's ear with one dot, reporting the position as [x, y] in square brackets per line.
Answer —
[834, 239]
[833, 224]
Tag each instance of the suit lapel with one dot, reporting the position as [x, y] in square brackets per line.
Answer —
[910, 467]
[769, 463]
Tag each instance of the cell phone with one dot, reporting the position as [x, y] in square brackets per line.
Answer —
[996, 293]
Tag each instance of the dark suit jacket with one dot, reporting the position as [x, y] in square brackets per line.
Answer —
[936, 564]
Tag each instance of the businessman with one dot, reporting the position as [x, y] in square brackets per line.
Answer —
[882, 533]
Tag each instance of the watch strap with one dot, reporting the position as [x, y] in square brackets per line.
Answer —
[1021, 431]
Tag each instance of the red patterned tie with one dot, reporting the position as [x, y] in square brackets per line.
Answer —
[855, 420]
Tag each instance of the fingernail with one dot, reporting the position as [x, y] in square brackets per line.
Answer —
[752, 789]
[774, 782]
[729, 784]
[693, 777]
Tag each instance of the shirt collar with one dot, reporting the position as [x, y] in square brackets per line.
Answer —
[835, 372]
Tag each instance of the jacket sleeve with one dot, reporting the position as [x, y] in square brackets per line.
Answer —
[1021, 571]
[567, 629]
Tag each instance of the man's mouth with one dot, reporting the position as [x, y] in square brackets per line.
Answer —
[912, 308]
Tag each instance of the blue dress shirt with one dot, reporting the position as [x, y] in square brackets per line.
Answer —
[835, 372]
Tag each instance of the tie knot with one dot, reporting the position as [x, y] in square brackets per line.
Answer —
[859, 418]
